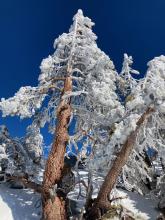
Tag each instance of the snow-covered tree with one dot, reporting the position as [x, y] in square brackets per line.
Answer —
[126, 81]
[17, 158]
[79, 81]
[141, 126]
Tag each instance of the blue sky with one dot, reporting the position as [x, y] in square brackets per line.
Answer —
[28, 29]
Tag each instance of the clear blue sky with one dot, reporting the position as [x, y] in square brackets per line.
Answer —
[29, 27]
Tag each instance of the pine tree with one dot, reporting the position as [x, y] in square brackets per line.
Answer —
[78, 79]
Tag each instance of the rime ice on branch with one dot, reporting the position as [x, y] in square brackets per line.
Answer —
[17, 158]
[93, 99]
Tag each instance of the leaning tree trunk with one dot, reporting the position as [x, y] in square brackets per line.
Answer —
[102, 204]
[54, 202]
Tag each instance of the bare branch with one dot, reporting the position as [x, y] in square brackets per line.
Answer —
[27, 183]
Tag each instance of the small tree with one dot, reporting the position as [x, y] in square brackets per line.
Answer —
[126, 81]
[18, 158]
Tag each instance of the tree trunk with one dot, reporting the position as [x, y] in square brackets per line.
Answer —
[102, 204]
[54, 202]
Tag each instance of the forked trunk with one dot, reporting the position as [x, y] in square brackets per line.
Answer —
[102, 204]
[52, 200]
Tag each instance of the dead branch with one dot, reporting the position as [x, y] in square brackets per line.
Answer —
[118, 198]
[27, 183]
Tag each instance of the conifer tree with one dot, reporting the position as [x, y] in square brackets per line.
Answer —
[79, 81]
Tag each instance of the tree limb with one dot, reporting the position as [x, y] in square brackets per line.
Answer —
[27, 183]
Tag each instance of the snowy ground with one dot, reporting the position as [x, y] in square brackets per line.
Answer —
[18, 204]
[141, 205]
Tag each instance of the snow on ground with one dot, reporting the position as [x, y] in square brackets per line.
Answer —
[19, 204]
[144, 206]
[24, 204]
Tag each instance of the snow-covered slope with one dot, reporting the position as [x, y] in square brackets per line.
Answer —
[24, 204]
[19, 204]
[144, 207]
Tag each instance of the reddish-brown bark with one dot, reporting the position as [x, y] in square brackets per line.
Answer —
[102, 203]
[54, 206]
